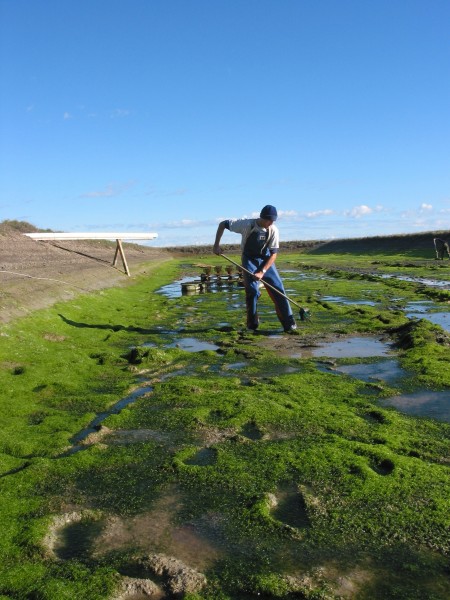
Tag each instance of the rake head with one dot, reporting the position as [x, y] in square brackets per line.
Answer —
[305, 314]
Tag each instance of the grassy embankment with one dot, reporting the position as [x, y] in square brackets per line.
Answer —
[296, 480]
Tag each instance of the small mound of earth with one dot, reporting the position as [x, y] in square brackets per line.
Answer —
[178, 577]
[132, 588]
[213, 435]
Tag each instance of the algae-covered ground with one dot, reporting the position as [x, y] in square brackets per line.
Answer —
[151, 447]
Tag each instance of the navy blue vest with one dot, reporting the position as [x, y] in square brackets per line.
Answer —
[255, 244]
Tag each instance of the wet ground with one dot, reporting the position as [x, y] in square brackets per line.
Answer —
[161, 533]
[388, 371]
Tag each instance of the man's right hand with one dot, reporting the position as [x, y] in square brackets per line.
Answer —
[217, 249]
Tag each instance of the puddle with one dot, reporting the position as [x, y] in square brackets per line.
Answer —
[426, 309]
[342, 300]
[251, 431]
[445, 285]
[95, 424]
[349, 347]
[288, 276]
[192, 286]
[174, 289]
[290, 507]
[203, 458]
[422, 404]
[419, 307]
[158, 530]
[388, 371]
[76, 539]
[192, 345]
[441, 319]
[235, 366]
[355, 347]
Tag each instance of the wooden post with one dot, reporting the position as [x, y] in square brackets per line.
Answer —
[119, 250]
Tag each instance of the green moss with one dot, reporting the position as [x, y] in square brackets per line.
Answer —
[298, 476]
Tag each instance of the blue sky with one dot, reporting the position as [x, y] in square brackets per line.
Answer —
[170, 115]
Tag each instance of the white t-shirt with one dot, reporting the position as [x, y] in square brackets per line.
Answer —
[245, 228]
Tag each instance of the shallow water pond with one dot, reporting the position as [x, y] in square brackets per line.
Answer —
[387, 371]
[445, 285]
[176, 289]
[192, 345]
[426, 310]
[353, 347]
[157, 530]
[342, 300]
[95, 424]
[289, 507]
[423, 404]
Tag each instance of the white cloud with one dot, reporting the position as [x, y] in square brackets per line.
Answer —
[182, 223]
[326, 212]
[358, 211]
[287, 213]
[67, 116]
[425, 207]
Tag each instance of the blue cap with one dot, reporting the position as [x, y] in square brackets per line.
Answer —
[269, 212]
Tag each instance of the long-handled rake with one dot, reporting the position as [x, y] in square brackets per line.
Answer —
[304, 313]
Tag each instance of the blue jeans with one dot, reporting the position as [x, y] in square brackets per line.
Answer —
[252, 293]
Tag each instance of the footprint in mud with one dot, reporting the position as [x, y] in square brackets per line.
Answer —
[376, 416]
[289, 506]
[251, 431]
[383, 467]
[73, 535]
[77, 539]
[203, 458]
[94, 536]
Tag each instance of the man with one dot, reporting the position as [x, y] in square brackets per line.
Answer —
[259, 247]
[441, 247]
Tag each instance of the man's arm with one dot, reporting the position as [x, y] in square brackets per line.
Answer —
[220, 229]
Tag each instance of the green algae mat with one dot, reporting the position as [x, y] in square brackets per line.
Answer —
[151, 447]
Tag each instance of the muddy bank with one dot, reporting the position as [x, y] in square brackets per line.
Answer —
[35, 274]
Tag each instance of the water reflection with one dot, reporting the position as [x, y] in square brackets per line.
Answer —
[422, 310]
[387, 371]
[354, 347]
[192, 345]
[342, 300]
[423, 404]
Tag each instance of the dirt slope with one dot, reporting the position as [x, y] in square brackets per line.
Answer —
[414, 244]
[36, 274]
